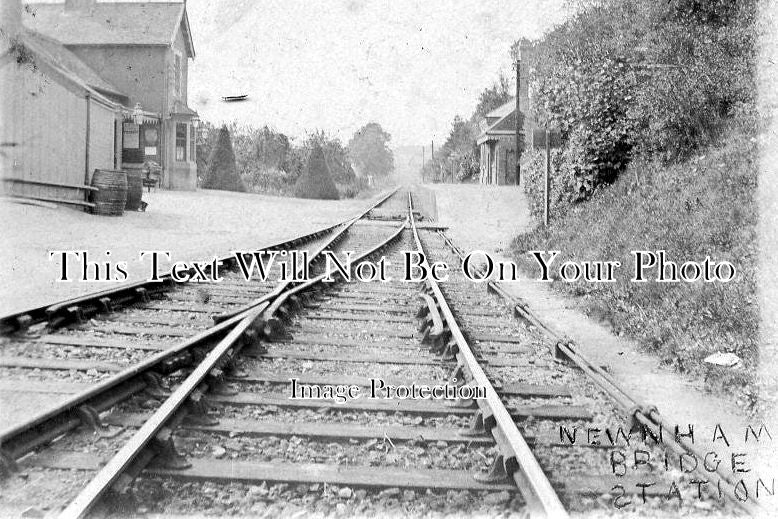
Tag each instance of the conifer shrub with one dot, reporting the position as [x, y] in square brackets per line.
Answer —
[316, 181]
[221, 172]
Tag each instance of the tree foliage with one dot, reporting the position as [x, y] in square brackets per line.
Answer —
[316, 181]
[369, 151]
[222, 173]
[335, 154]
[627, 76]
[492, 97]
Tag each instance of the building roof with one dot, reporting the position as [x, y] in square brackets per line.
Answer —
[505, 126]
[55, 52]
[503, 110]
[64, 66]
[180, 108]
[112, 23]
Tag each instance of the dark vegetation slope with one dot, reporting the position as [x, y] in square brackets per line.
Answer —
[655, 102]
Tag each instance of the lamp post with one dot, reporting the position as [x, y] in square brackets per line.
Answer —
[137, 114]
[197, 125]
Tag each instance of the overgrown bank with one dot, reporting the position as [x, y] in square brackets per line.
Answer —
[704, 206]
[655, 103]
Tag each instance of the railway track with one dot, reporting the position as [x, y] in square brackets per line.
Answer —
[311, 399]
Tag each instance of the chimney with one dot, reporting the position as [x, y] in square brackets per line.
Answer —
[10, 18]
[79, 5]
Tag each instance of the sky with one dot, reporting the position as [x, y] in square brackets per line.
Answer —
[336, 65]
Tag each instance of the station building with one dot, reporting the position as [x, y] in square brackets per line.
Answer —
[497, 137]
[94, 85]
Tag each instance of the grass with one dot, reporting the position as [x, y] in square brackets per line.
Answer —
[704, 206]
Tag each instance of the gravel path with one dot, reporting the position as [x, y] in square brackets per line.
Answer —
[191, 225]
[494, 216]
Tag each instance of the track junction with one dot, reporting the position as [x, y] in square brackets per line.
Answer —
[270, 397]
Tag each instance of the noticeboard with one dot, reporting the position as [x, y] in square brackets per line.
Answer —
[539, 138]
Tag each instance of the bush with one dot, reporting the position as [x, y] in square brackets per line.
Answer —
[705, 206]
[316, 182]
[353, 188]
[270, 181]
[627, 76]
[562, 183]
[222, 173]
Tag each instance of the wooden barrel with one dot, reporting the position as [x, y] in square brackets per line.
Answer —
[111, 196]
[134, 189]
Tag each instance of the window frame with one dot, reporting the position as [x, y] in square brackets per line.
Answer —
[192, 144]
[178, 146]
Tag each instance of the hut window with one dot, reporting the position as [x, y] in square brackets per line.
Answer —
[181, 142]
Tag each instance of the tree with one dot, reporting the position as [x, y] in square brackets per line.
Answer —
[222, 173]
[493, 97]
[369, 151]
[207, 136]
[316, 181]
[461, 138]
[335, 155]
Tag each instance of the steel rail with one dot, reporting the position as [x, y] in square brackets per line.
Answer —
[125, 457]
[280, 301]
[96, 487]
[102, 300]
[646, 415]
[542, 500]
[283, 285]
[15, 441]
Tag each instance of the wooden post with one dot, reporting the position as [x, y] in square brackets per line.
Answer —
[518, 114]
[87, 137]
[507, 153]
[434, 175]
[548, 178]
[422, 164]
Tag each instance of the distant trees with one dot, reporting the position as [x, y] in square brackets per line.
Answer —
[336, 156]
[369, 151]
[493, 97]
[316, 181]
[269, 162]
[221, 172]
[459, 156]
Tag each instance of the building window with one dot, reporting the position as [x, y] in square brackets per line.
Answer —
[181, 142]
[192, 155]
[177, 73]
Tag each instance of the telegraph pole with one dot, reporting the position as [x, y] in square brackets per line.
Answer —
[518, 116]
[422, 164]
[433, 161]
